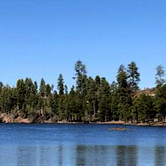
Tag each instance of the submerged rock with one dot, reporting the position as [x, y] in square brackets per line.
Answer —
[119, 129]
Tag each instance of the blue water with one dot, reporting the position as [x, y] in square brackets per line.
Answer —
[81, 145]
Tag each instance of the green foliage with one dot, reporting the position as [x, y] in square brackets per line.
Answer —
[42, 88]
[123, 95]
[48, 90]
[60, 85]
[7, 99]
[104, 113]
[80, 77]
[133, 77]
[114, 106]
[143, 109]
[90, 100]
[160, 102]
[160, 74]
[122, 77]
[21, 91]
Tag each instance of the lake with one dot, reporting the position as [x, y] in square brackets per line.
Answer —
[81, 145]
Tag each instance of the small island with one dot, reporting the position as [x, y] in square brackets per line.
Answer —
[119, 129]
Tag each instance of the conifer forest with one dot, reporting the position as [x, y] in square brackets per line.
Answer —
[89, 100]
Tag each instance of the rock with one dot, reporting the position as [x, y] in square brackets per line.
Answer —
[119, 129]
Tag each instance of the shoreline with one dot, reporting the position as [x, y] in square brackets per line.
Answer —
[8, 119]
[156, 124]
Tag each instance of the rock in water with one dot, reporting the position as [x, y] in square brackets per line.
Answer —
[119, 129]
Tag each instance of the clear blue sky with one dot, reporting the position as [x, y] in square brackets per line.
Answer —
[43, 38]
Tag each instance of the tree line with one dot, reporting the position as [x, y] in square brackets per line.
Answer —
[90, 100]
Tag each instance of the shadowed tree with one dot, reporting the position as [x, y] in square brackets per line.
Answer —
[122, 77]
[48, 90]
[124, 95]
[160, 74]
[42, 88]
[105, 113]
[160, 102]
[21, 90]
[80, 77]
[133, 77]
[60, 85]
[143, 109]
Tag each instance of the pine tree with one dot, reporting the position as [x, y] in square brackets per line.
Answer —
[124, 95]
[42, 88]
[122, 77]
[133, 77]
[105, 113]
[80, 77]
[48, 90]
[160, 102]
[60, 85]
[21, 91]
[142, 109]
[160, 74]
